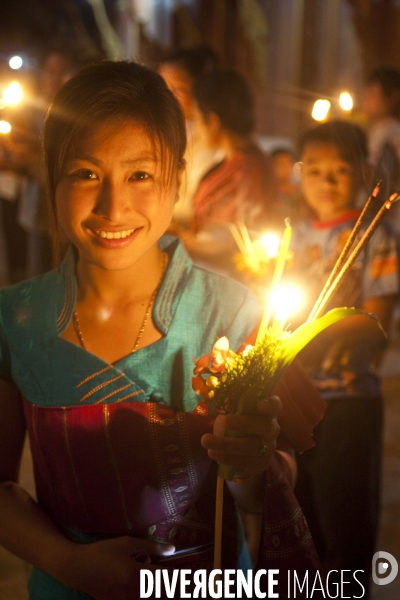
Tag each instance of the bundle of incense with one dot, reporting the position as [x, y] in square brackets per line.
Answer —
[342, 257]
[242, 238]
[342, 266]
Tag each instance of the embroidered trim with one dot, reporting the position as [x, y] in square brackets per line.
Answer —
[189, 458]
[165, 494]
[69, 279]
[100, 386]
[94, 375]
[270, 527]
[129, 396]
[164, 304]
[115, 392]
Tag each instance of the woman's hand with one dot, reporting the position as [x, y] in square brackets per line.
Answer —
[110, 569]
[251, 453]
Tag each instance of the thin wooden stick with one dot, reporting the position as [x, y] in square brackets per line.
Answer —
[356, 252]
[340, 261]
[238, 238]
[246, 238]
[219, 501]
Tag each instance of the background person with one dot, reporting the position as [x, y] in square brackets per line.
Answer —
[180, 71]
[381, 106]
[339, 479]
[240, 188]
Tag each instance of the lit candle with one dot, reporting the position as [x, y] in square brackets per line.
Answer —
[280, 264]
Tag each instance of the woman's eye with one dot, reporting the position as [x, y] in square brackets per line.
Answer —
[140, 175]
[84, 174]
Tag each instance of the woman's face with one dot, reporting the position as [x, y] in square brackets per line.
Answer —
[114, 200]
[180, 84]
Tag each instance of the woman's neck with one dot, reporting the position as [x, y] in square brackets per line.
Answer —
[109, 287]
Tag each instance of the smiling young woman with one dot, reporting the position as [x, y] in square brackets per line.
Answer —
[96, 359]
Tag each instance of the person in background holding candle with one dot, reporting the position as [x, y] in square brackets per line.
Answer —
[240, 188]
[180, 71]
[338, 484]
[96, 359]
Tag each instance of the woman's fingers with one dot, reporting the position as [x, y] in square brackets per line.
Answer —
[271, 406]
[139, 546]
[249, 446]
[253, 439]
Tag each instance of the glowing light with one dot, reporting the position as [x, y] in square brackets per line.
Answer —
[270, 242]
[320, 109]
[345, 101]
[15, 62]
[5, 127]
[287, 301]
[12, 95]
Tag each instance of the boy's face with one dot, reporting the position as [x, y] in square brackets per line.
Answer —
[328, 182]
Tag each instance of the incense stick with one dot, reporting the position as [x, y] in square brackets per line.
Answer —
[246, 238]
[354, 255]
[218, 522]
[340, 261]
[238, 238]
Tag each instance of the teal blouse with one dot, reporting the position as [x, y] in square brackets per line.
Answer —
[193, 309]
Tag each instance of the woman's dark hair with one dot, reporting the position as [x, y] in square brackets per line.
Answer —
[107, 93]
[227, 94]
[350, 140]
[194, 60]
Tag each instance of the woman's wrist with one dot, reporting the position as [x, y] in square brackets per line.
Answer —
[288, 461]
[248, 492]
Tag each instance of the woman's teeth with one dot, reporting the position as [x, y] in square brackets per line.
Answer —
[114, 235]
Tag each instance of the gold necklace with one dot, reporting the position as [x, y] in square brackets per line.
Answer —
[77, 326]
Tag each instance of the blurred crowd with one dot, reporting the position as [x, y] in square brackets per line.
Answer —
[232, 194]
[228, 177]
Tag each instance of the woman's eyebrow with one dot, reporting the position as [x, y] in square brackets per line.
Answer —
[140, 160]
[145, 159]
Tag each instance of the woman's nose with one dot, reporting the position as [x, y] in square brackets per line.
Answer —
[113, 202]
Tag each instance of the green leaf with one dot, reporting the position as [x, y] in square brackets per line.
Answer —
[307, 332]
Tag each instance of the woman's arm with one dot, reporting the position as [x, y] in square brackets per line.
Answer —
[105, 570]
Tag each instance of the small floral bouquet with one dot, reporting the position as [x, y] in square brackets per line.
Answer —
[230, 382]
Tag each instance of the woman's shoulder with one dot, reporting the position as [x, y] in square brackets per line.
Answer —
[223, 291]
[27, 300]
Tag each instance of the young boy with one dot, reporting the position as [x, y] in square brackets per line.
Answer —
[338, 483]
